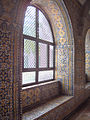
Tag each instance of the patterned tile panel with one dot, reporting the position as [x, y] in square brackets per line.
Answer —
[8, 76]
[40, 94]
[6, 72]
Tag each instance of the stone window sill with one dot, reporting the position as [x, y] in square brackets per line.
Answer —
[41, 84]
[45, 108]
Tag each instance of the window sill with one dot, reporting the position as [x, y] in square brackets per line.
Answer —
[38, 85]
[36, 95]
[45, 108]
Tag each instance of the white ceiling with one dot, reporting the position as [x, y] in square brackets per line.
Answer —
[82, 2]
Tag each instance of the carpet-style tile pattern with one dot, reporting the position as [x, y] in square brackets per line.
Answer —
[40, 93]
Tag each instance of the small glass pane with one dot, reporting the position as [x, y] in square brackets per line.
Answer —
[42, 55]
[51, 56]
[45, 75]
[29, 54]
[28, 77]
[44, 28]
[29, 27]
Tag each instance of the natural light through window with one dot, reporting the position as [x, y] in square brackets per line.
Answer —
[38, 48]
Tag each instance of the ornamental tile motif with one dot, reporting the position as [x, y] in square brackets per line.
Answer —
[63, 39]
[6, 72]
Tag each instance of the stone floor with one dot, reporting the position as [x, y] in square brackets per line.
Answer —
[83, 113]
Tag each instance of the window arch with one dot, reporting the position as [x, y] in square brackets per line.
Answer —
[38, 48]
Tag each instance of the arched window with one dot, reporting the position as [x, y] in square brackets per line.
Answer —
[39, 65]
[38, 48]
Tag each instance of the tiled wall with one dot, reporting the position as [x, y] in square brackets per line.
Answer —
[6, 70]
[11, 21]
[9, 34]
[87, 55]
[63, 34]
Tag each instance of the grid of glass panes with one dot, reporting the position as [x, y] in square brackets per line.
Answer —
[38, 48]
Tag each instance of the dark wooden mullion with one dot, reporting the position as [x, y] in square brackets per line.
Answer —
[37, 24]
[48, 56]
[23, 56]
[46, 42]
[54, 61]
[28, 84]
[29, 37]
[37, 45]
[29, 69]
[37, 40]
[36, 69]
[37, 62]
[45, 69]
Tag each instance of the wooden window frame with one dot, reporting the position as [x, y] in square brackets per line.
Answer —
[37, 40]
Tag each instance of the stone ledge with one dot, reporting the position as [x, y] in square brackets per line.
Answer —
[45, 108]
[41, 84]
[36, 95]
